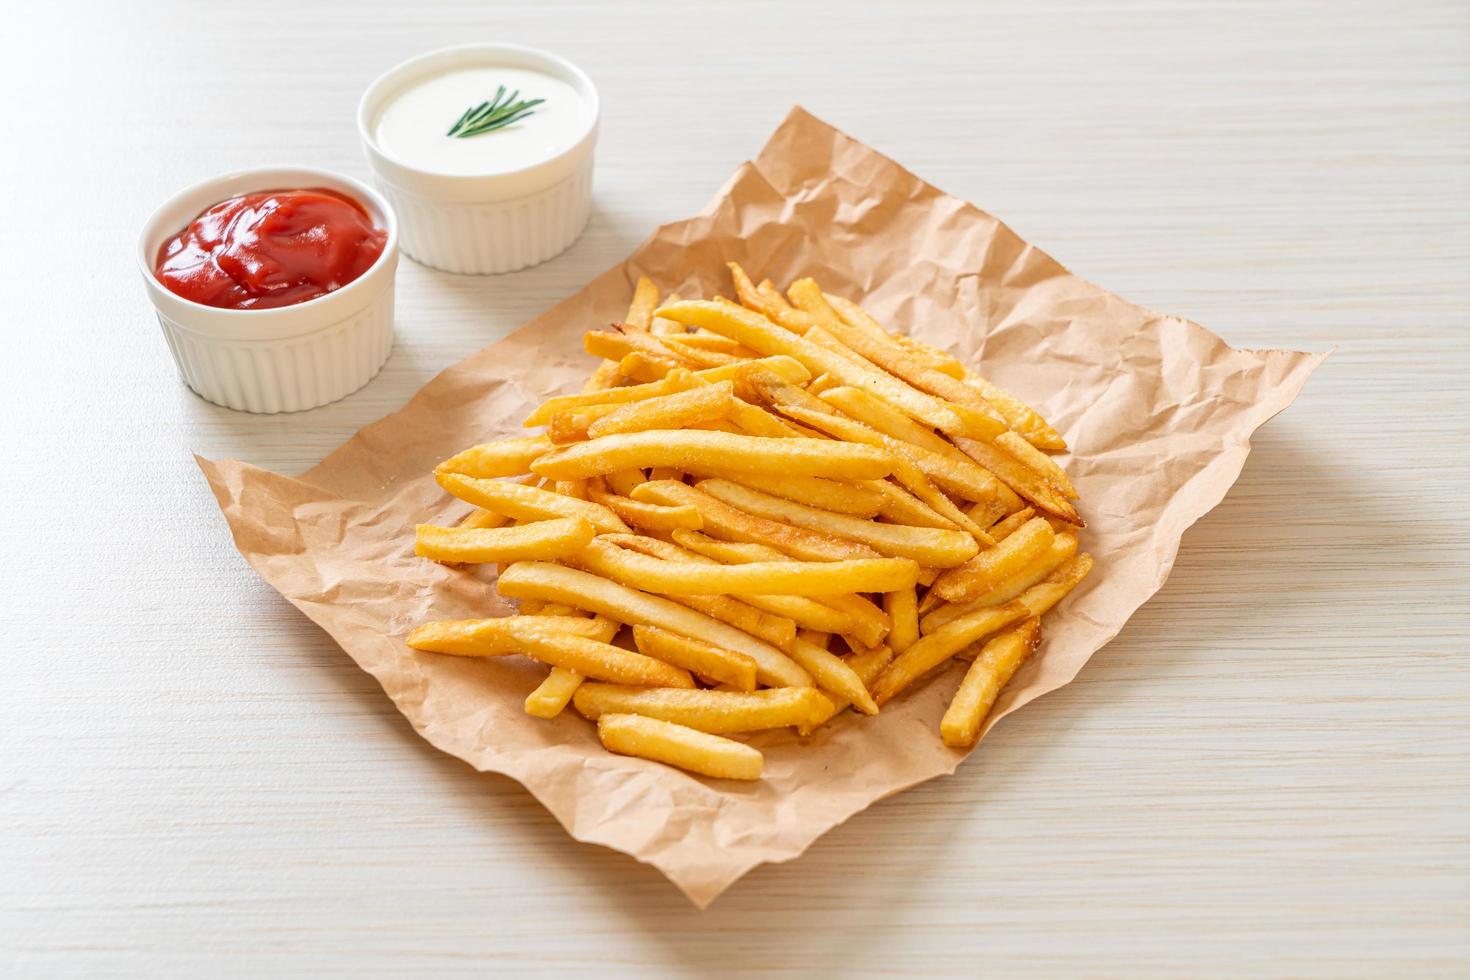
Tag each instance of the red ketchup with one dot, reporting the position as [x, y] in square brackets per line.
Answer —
[270, 249]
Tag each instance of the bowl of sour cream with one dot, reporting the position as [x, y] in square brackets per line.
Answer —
[485, 152]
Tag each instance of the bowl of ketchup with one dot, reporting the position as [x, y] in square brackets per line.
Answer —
[273, 287]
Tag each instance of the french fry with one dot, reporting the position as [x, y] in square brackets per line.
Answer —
[833, 675]
[713, 454]
[901, 507]
[679, 746]
[937, 647]
[715, 712]
[858, 616]
[699, 356]
[696, 656]
[1009, 524]
[541, 638]
[1063, 547]
[508, 457]
[1034, 459]
[527, 503]
[760, 334]
[622, 482]
[554, 693]
[680, 380]
[649, 517]
[979, 484]
[997, 662]
[1026, 482]
[543, 540]
[482, 518]
[788, 577]
[856, 500]
[856, 318]
[557, 583]
[1020, 416]
[641, 368]
[618, 343]
[702, 404]
[645, 300]
[903, 609]
[931, 546]
[722, 520]
[992, 566]
[867, 664]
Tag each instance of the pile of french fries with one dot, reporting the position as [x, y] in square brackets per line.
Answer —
[756, 515]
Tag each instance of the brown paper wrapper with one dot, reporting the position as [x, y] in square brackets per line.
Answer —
[1158, 412]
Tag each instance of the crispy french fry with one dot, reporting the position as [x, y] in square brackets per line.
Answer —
[680, 380]
[722, 520]
[710, 342]
[1020, 416]
[997, 662]
[1034, 459]
[679, 746]
[789, 577]
[641, 368]
[526, 503]
[543, 540]
[482, 518]
[714, 454]
[649, 517]
[698, 355]
[937, 647]
[860, 499]
[725, 552]
[554, 693]
[1009, 524]
[1022, 479]
[903, 609]
[624, 339]
[697, 656]
[508, 457]
[994, 565]
[745, 289]
[901, 507]
[702, 404]
[856, 318]
[645, 300]
[833, 675]
[1063, 547]
[545, 639]
[867, 664]
[557, 583]
[716, 712]
[932, 546]
[760, 334]
[622, 482]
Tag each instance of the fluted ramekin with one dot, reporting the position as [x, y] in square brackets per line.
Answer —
[489, 223]
[288, 358]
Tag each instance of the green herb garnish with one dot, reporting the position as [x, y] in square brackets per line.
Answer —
[496, 114]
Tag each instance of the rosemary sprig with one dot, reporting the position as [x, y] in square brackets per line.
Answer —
[495, 114]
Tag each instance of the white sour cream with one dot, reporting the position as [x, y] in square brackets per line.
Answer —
[412, 128]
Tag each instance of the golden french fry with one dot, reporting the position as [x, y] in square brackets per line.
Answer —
[1026, 482]
[557, 583]
[725, 552]
[999, 659]
[807, 578]
[508, 457]
[932, 546]
[710, 342]
[697, 656]
[680, 380]
[679, 746]
[554, 693]
[722, 520]
[482, 518]
[901, 507]
[650, 517]
[1034, 459]
[527, 503]
[856, 318]
[937, 647]
[697, 355]
[903, 609]
[716, 712]
[714, 454]
[1020, 416]
[618, 343]
[702, 404]
[641, 368]
[543, 540]
[991, 567]
[547, 639]
[854, 499]
[867, 664]
[760, 334]
[1009, 524]
[622, 482]
[833, 675]
[1063, 547]
[964, 474]
[645, 301]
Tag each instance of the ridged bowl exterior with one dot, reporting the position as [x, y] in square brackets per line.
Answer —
[287, 375]
[495, 237]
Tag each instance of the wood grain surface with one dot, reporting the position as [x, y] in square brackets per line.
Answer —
[1267, 773]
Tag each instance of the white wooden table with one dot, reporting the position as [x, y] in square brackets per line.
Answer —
[1268, 772]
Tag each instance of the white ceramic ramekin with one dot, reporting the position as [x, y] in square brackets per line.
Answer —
[284, 359]
[496, 222]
